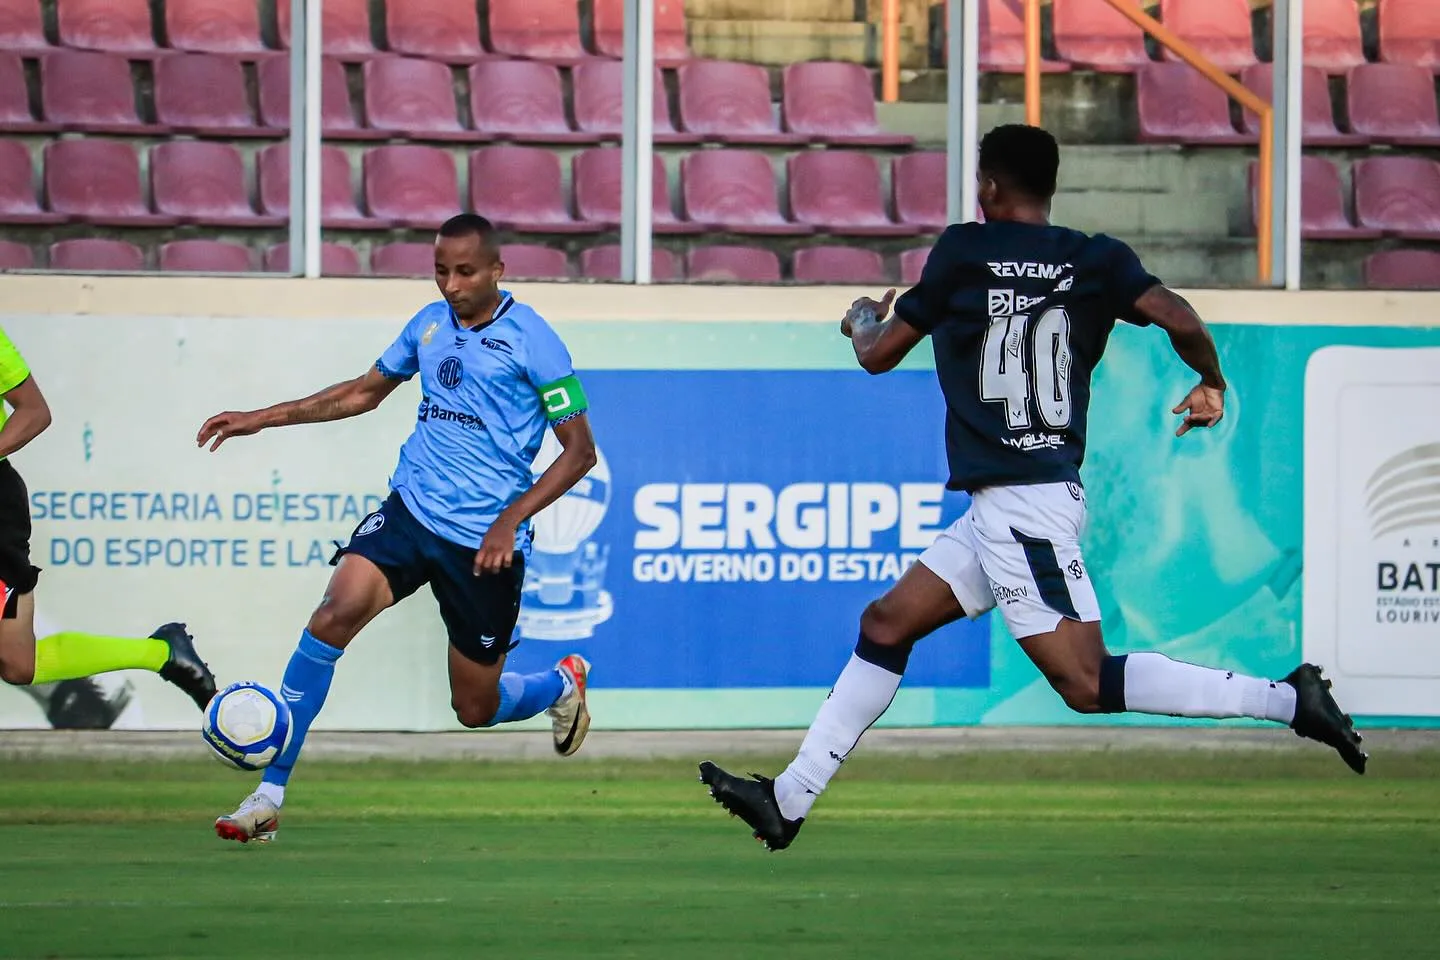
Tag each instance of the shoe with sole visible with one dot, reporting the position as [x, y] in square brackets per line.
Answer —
[754, 802]
[185, 669]
[82, 704]
[1319, 717]
[256, 819]
[570, 715]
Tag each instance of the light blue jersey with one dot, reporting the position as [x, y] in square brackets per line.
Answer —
[486, 397]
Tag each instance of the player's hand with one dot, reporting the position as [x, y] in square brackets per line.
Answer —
[1203, 407]
[880, 309]
[223, 426]
[497, 550]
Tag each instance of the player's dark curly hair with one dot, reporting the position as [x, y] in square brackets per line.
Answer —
[465, 224]
[1023, 158]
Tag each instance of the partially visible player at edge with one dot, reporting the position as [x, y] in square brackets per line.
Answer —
[493, 375]
[67, 656]
[1020, 311]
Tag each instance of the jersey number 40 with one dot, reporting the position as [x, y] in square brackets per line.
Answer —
[1004, 377]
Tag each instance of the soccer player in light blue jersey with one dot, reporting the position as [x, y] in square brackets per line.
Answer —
[493, 377]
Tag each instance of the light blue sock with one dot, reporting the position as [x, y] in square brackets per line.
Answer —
[522, 695]
[306, 682]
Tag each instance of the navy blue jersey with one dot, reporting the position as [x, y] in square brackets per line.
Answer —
[1019, 315]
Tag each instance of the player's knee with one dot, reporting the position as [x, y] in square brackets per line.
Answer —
[1081, 694]
[334, 623]
[882, 627]
[475, 713]
[15, 670]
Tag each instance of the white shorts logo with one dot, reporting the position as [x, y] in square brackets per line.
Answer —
[372, 523]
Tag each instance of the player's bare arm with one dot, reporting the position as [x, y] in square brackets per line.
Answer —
[880, 341]
[577, 456]
[29, 416]
[349, 398]
[1204, 406]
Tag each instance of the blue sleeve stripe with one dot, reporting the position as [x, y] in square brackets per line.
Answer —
[389, 374]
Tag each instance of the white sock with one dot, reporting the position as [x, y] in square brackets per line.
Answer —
[1156, 684]
[273, 792]
[861, 694]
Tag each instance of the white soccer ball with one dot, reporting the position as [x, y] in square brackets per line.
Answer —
[247, 726]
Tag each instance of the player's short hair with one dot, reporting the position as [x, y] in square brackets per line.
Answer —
[471, 224]
[1025, 158]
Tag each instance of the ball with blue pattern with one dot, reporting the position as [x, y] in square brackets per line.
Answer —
[247, 726]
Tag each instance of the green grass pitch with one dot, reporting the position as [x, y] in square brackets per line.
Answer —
[1112, 855]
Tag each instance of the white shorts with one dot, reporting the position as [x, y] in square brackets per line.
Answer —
[1018, 548]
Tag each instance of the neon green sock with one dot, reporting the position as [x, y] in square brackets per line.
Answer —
[70, 656]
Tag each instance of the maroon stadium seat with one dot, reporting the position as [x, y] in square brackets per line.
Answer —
[204, 94]
[730, 102]
[21, 28]
[1219, 29]
[444, 30]
[214, 26]
[1093, 35]
[838, 191]
[1178, 105]
[1400, 195]
[1403, 270]
[1317, 117]
[847, 265]
[15, 115]
[413, 186]
[117, 26]
[912, 264]
[835, 103]
[336, 259]
[17, 188]
[603, 263]
[344, 28]
[1410, 32]
[93, 255]
[917, 183]
[403, 260]
[205, 256]
[204, 183]
[1002, 38]
[599, 102]
[671, 47]
[98, 181]
[413, 97]
[597, 176]
[1332, 35]
[1394, 103]
[521, 100]
[531, 261]
[733, 264]
[16, 256]
[337, 198]
[734, 190]
[83, 90]
[1322, 202]
[337, 120]
[537, 30]
[519, 188]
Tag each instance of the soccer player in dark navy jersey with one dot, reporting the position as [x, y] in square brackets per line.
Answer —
[1019, 312]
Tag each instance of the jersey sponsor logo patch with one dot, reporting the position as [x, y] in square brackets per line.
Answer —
[1005, 303]
[450, 372]
[1008, 595]
[1035, 441]
[429, 334]
[434, 413]
[1027, 269]
[1076, 569]
[371, 523]
[493, 344]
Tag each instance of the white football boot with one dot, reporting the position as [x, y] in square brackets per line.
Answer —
[569, 716]
[256, 819]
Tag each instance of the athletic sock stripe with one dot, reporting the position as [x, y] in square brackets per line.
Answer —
[1049, 578]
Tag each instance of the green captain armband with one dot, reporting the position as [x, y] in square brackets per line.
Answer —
[563, 399]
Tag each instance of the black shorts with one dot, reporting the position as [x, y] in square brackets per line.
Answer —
[17, 576]
[479, 612]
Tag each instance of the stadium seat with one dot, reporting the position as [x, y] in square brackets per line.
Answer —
[912, 264]
[521, 100]
[21, 27]
[1403, 270]
[531, 261]
[204, 183]
[93, 255]
[1394, 103]
[18, 204]
[519, 188]
[1092, 35]
[93, 92]
[204, 95]
[16, 256]
[735, 191]
[115, 26]
[600, 101]
[838, 191]
[412, 97]
[1322, 202]
[1410, 32]
[1317, 116]
[1332, 35]
[344, 28]
[1002, 38]
[834, 103]
[1178, 105]
[597, 176]
[205, 256]
[444, 30]
[537, 30]
[15, 115]
[411, 185]
[843, 265]
[917, 184]
[98, 181]
[733, 264]
[671, 48]
[337, 198]
[337, 119]
[603, 263]
[336, 260]
[403, 260]
[1219, 29]
[730, 102]
[1400, 195]
[215, 26]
